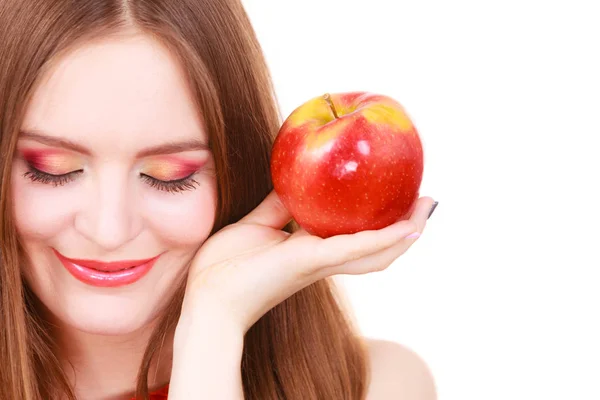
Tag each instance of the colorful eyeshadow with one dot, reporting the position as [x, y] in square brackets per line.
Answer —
[51, 161]
[170, 168]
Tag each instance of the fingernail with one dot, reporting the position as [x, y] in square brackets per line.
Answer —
[413, 235]
[435, 203]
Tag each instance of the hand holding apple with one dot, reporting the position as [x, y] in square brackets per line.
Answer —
[347, 162]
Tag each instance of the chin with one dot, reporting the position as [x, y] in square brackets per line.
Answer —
[106, 314]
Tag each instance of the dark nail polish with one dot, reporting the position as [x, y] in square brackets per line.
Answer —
[432, 209]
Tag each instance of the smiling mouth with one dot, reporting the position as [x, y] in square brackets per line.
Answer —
[106, 274]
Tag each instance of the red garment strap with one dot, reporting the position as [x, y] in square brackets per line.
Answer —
[160, 394]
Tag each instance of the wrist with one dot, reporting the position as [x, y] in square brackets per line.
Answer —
[199, 329]
[207, 357]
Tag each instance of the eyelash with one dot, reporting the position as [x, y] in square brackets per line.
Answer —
[36, 175]
[175, 186]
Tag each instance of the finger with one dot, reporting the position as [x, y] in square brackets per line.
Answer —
[270, 212]
[371, 263]
[341, 249]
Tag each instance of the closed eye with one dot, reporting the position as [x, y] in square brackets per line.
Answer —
[35, 175]
[172, 186]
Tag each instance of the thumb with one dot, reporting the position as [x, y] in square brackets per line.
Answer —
[270, 212]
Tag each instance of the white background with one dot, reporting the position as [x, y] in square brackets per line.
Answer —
[501, 294]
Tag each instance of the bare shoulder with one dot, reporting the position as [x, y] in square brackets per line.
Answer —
[398, 373]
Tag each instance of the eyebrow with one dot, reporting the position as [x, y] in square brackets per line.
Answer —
[165, 148]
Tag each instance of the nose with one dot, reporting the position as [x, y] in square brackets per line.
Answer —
[109, 217]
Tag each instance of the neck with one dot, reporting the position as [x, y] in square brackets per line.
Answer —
[106, 367]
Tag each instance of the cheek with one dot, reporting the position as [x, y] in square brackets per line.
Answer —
[183, 219]
[40, 211]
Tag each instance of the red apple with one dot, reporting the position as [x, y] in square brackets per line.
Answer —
[347, 162]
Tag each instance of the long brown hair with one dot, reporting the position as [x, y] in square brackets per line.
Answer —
[304, 348]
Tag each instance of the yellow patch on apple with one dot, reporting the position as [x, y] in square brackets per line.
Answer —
[384, 114]
[313, 111]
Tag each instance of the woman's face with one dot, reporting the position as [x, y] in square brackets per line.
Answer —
[112, 165]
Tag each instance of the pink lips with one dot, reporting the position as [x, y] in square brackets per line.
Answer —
[106, 274]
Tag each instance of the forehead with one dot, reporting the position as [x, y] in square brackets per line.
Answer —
[125, 91]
